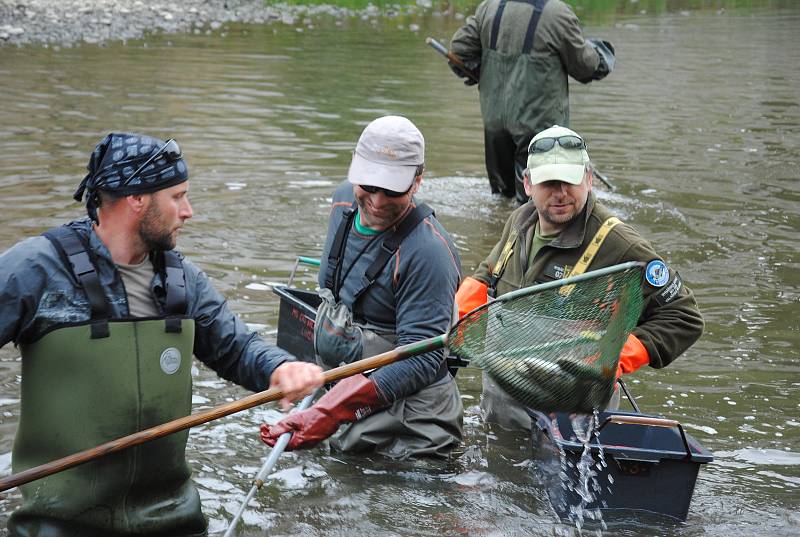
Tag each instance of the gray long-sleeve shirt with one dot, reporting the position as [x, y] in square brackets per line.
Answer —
[39, 293]
[412, 297]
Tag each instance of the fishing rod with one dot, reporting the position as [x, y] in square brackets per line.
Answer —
[604, 180]
[455, 60]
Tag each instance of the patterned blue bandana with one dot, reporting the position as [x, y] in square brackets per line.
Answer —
[114, 161]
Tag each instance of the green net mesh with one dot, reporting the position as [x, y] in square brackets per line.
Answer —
[555, 349]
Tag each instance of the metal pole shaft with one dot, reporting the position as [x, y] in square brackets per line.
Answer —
[268, 465]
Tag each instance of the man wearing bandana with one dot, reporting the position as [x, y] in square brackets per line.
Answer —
[107, 315]
[563, 230]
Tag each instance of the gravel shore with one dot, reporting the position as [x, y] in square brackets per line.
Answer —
[66, 22]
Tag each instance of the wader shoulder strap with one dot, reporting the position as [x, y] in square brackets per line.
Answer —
[391, 243]
[71, 246]
[502, 261]
[170, 266]
[591, 250]
[176, 283]
[336, 252]
[496, 24]
[538, 7]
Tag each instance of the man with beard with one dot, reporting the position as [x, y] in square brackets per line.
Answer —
[107, 316]
[548, 238]
[388, 277]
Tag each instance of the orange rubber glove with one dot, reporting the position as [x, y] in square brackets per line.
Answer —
[471, 294]
[633, 356]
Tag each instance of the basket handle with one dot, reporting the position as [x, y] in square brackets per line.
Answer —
[640, 420]
[628, 395]
[306, 261]
[649, 420]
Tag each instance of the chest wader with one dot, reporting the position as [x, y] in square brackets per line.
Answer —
[86, 384]
[521, 94]
[425, 424]
[338, 337]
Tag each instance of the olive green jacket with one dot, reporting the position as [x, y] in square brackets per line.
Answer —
[670, 322]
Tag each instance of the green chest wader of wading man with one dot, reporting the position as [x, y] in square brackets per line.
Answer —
[83, 385]
[427, 423]
[521, 93]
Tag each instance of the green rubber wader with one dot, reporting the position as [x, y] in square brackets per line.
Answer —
[520, 95]
[428, 423]
[79, 392]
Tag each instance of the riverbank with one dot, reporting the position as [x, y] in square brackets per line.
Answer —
[69, 22]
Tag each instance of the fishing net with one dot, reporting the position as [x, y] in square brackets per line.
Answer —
[555, 346]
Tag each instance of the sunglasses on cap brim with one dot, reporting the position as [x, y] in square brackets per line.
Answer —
[568, 141]
[170, 151]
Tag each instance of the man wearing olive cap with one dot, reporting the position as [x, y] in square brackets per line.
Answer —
[107, 316]
[388, 277]
[550, 234]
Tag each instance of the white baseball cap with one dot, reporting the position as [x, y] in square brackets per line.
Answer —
[557, 154]
[387, 154]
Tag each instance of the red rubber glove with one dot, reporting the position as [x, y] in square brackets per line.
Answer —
[633, 356]
[351, 399]
[471, 294]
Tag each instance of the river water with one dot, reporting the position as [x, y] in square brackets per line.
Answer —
[697, 128]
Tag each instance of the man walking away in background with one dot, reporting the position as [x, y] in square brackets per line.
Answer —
[522, 51]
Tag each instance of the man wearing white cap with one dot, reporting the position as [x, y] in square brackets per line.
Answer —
[388, 277]
[547, 239]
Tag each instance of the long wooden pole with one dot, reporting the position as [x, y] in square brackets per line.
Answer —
[212, 414]
[348, 370]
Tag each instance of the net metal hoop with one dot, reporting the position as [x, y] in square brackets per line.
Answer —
[538, 288]
[555, 346]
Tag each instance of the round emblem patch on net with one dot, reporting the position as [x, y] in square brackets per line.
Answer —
[657, 273]
[170, 360]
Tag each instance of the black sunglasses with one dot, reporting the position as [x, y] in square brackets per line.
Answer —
[388, 193]
[568, 141]
[170, 150]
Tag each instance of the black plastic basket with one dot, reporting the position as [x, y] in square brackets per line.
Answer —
[296, 317]
[651, 461]
[298, 310]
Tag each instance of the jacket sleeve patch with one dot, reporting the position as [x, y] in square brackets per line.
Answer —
[670, 291]
[656, 273]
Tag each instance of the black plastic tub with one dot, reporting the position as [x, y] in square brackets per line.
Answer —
[296, 317]
[298, 310]
[651, 464]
